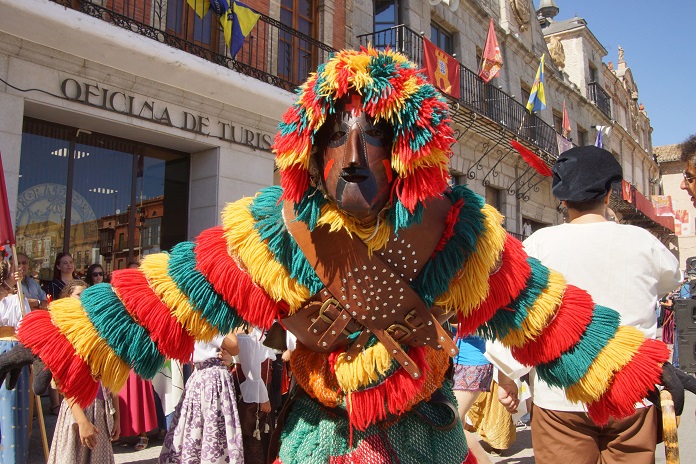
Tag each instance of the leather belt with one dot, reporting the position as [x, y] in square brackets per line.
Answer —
[370, 293]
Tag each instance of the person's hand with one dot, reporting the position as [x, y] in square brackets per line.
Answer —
[116, 432]
[507, 395]
[88, 434]
[286, 355]
[12, 362]
[675, 382]
[226, 357]
[265, 407]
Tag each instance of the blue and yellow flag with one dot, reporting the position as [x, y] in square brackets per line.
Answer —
[237, 20]
[201, 7]
[537, 97]
[237, 25]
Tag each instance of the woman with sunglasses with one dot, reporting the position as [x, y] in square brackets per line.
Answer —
[95, 274]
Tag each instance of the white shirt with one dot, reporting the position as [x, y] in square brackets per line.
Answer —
[11, 311]
[622, 267]
[252, 353]
[203, 351]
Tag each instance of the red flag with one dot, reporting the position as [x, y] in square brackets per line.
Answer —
[565, 124]
[492, 59]
[6, 231]
[532, 159]
[442, 69]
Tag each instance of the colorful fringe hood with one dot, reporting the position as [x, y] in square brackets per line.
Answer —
[250, 270]
[392, 90]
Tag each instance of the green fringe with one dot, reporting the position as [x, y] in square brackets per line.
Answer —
[511, 317]
[130, 341]
[267, 213]
[573, 365]
[200, 293]
[435, 277]
[401, 218]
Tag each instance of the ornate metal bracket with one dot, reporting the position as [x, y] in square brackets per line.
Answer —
[512, 189]
[492, 170]
[487, 148]
[524, 195]
[459, 134]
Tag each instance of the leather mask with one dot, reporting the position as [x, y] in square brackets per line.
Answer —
[355, 161]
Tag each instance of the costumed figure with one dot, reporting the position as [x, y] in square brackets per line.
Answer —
[361, 253]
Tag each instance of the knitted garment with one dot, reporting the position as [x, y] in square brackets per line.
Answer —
[251, 270]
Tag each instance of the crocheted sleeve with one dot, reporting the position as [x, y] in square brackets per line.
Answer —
[231, 274]
[556, 327]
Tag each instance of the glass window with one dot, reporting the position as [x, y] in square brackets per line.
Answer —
[441, 38]
[295, 55]
[386, 14]
[98, 184]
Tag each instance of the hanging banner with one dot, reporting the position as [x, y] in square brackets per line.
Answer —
[442, 69]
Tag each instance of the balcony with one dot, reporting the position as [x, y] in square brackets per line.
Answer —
[272, 52]
[597, 95]
[504, 116]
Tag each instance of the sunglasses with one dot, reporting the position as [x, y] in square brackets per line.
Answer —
[97, 274]
[687, 177]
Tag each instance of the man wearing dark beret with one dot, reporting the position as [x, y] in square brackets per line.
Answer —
[622, 267]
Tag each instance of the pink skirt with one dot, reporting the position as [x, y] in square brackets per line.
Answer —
[136, 402]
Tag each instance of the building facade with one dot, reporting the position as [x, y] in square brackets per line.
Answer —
[114, 109]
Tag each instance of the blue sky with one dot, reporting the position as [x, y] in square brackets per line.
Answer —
[660, 49]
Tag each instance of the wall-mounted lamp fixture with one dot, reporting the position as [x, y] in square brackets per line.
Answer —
[452, 4]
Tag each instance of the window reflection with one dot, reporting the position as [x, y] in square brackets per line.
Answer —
[121, 197]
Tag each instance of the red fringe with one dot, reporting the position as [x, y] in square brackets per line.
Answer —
[143, 304]
[631, 384]
[564, 331]
[397, 390]
[71, 373]
[295, 182]
[429, 182]
[230, 282]
[503, 286]
[452, 219]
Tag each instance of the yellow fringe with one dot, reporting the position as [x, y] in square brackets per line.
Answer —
[299, 156]
[613, 357]
[364, 369]
[246, 246]
[469, 288]
[72, 321]
[541, 312]
[436, 157]
[155, 269]
[336, 220]
[410, 87]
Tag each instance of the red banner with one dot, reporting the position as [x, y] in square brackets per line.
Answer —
[492, 59]
[6, 230]
[442, 69]
[565, 124]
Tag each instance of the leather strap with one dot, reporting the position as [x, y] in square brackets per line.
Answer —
[370, 292]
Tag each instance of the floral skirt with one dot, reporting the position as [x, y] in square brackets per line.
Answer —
[206, 427]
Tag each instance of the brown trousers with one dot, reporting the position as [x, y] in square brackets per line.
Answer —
[572, 438]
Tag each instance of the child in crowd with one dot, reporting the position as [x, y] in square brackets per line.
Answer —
[206, 427]
[83, 436]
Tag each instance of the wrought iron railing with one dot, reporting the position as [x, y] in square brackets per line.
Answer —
[597, 95]
[272, 52]
[484, 99]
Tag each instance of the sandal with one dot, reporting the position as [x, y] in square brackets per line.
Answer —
[141, 445]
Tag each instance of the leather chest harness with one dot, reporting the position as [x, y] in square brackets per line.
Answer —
[366, 293]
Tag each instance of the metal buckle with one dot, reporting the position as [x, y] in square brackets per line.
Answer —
[392, 329]
[326, 318]
[410, 316]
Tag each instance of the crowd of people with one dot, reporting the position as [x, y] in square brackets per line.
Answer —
[363, 159]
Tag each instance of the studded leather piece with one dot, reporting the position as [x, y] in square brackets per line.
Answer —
[370, 294]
